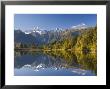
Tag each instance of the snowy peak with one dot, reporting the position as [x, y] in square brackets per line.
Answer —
[79, 26]
[26, 32]
[57, 29]
[35, 30]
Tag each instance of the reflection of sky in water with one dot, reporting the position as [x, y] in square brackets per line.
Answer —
[52, 72]
[49, 65]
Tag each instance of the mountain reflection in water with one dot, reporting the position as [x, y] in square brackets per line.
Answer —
[55, 63]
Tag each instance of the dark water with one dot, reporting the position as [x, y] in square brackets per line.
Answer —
[55, 63]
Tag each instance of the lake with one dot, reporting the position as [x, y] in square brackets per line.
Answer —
[54, 63]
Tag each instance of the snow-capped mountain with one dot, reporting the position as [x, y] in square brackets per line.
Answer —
[41, 36]
[80, 26]
[58, 29]
[35, 30]
[26, 32]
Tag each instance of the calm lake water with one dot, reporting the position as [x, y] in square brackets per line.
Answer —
[55, 63]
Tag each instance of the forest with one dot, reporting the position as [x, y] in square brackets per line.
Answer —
[86, 41]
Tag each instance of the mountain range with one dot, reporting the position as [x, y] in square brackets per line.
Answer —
[38, 36]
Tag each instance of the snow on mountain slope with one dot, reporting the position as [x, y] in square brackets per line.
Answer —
[80, 26]
[35, 30]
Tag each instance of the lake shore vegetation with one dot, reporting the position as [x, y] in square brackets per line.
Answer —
[85, 42]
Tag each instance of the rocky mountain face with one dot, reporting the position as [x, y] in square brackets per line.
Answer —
[39, 37]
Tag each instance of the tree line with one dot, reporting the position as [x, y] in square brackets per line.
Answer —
[85, 41]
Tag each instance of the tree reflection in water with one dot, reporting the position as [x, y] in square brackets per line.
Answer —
[56, 60]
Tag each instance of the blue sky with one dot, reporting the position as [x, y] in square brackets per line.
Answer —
[52, 21]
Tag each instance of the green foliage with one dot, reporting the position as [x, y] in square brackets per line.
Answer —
[85, 41]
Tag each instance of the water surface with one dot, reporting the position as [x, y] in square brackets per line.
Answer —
[54, 63]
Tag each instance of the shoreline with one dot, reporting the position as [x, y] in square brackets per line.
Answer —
[37, 50]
